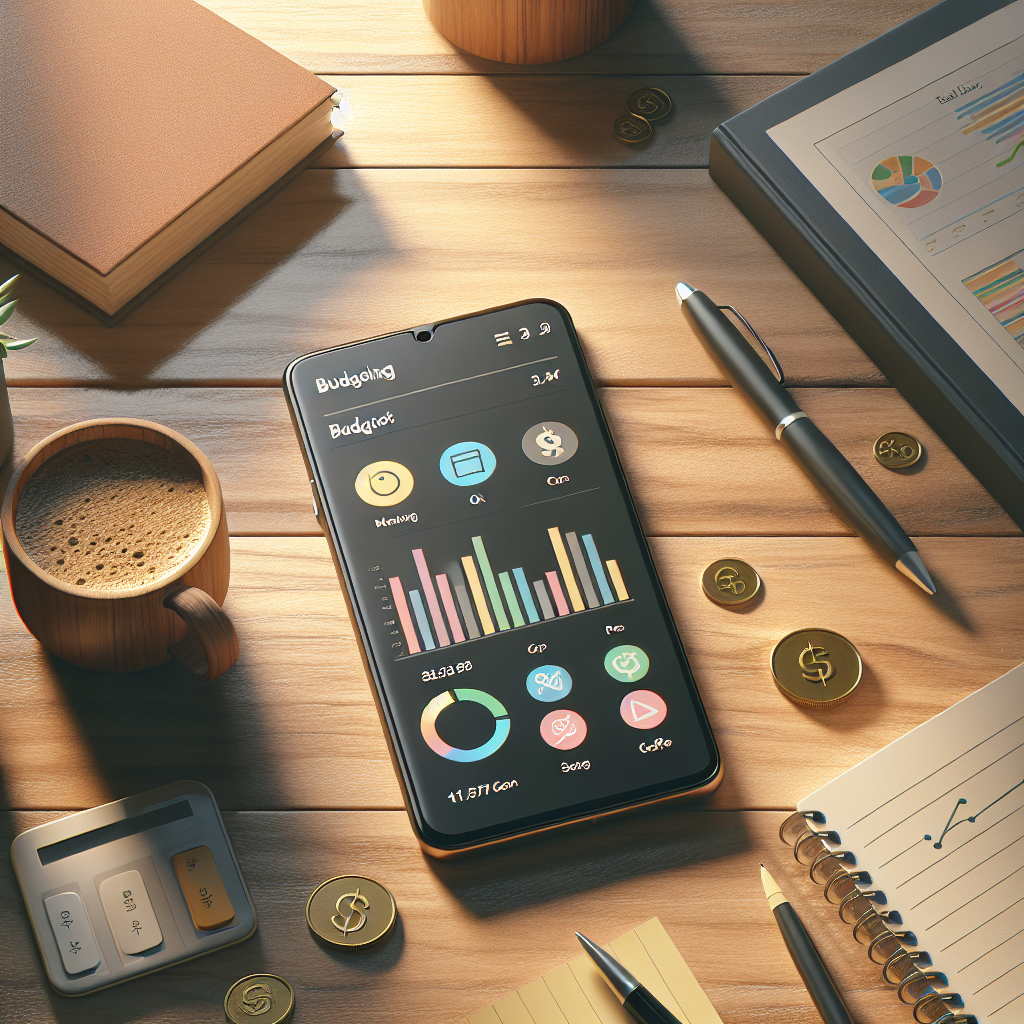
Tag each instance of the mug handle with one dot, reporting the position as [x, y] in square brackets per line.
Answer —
[210, 647]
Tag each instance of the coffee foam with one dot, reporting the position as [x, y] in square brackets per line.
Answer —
[113, 514]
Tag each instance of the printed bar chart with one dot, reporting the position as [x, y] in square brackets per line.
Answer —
[476, 601]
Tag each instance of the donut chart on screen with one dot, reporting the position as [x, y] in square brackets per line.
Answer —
[906, 181]
[428, 725]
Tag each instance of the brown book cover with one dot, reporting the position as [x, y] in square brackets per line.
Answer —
[130, 130]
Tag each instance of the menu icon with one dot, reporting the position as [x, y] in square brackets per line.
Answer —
[503, 339]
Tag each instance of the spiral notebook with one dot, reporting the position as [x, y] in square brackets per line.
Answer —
[576, 992]
[922, 846]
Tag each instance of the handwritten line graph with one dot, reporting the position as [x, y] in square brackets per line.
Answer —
[950, 824]
[932, 774]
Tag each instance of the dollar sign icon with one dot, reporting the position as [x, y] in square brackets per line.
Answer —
[727, 578]
[813, 665]
[549, 443]
[342, 920]
[256, 1000]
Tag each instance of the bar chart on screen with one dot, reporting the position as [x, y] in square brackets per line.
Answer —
[474, 599]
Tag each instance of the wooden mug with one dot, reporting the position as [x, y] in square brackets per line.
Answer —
[178, 615]
[527, 31]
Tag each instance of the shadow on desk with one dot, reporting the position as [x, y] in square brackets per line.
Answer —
[590, 857]
[146, 729]
[584, 132]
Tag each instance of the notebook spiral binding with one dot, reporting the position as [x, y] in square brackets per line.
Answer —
[818, 849]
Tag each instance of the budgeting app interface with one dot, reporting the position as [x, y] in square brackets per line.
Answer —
[525, 658]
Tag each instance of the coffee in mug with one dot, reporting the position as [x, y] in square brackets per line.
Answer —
[113, 514]
[117, 550]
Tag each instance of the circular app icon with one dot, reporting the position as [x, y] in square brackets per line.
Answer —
[428, 725]
[563, 729]
[467, 463]
[550, 443]
[548, 683]
[626, 663]
[643, 709]
[384, 483]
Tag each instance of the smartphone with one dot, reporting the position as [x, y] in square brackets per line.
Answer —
[522, 655]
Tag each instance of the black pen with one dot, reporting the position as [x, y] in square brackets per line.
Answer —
[825, 466]
[820, 986]
[639, 1003]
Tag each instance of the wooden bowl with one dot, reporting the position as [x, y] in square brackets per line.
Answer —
[125, 630]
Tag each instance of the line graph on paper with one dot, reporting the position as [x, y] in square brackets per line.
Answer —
[946, 844]
[952, 821]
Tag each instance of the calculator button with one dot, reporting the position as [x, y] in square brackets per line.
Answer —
[71, 928]
[203, 888]
[130, 913]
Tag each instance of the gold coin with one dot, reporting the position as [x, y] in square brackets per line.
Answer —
[351, 911]
[896, 450]
[816, 667]
[632, 128]
[265, 996]
[730, 581]
[651, 104]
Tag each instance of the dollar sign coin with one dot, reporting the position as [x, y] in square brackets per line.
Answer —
[730, 581]
[632, 128]
[651, 104]
[264, 998]
[896, 450]
[349, 917]
[816, 667]
[351, 911]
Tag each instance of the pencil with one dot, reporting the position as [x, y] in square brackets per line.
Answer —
[822, 989]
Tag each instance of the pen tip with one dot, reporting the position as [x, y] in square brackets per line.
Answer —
[771, 887]
[913, 568]
[683, 292]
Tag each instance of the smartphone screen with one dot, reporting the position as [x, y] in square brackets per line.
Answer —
[527, 666]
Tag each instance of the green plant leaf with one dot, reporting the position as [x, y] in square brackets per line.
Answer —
[13, 346]
[3, 350]
[6, 310]
[8, 284]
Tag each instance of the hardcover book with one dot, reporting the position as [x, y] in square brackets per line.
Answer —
[892, 181]
[131, 130]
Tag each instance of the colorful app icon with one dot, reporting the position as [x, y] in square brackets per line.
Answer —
[428, 725]
[548, 683]
[550, 443]
[626, 663]
[384, 483]
[563, 729]
[643, 709]
[467, 463]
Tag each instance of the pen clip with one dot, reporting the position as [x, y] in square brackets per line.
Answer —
[780, 376]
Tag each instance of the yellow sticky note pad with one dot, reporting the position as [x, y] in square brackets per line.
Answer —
[576, 992]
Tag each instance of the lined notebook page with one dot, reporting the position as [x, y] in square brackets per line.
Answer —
[576, 993]
[937, 820]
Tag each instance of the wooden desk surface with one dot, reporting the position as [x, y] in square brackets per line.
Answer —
[462, 184]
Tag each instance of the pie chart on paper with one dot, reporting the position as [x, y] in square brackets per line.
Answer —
[906, 181]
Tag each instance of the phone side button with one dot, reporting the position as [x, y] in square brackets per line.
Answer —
[316, 511]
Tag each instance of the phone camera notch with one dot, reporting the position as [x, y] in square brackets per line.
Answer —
[424, 333]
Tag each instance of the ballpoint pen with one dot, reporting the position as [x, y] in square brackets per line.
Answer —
[825, 466]
[823, 992]
[636, 1000]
